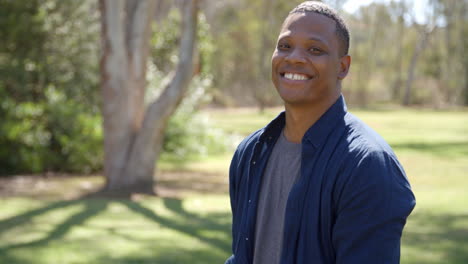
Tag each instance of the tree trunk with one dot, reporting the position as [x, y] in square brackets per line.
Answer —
[414, 59]
[399, 58]
[133, 136]
[465, 91]
[463, 35]
[260, 90]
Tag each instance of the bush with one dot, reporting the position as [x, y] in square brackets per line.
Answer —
[76, 141]
[55, 135]
[190, 134]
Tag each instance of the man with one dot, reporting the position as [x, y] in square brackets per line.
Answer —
[316, 185]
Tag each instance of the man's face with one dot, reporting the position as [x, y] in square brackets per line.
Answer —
[306, 64]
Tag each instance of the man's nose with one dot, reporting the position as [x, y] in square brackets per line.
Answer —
[296, 56]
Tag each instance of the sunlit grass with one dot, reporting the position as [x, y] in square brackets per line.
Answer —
[154, 230]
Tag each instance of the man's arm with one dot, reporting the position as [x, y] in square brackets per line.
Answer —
[232, 195]
[372, 211]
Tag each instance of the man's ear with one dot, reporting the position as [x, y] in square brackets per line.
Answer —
[345, 63]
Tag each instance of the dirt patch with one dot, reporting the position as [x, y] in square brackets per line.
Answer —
[49, 186]
[185, 182]
[63, 186]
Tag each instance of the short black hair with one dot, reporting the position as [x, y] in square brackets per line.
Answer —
[342, 31]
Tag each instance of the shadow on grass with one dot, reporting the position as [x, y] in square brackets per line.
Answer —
[443, 149]
[193, 225]
[172, 255]
[445, 235]
[90, 209]
[185, 222]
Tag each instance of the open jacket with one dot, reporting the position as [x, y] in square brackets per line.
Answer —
[349, 205]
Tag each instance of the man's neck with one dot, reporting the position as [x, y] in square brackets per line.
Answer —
[299, 118]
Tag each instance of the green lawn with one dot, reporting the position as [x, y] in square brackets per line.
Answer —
[194, 225]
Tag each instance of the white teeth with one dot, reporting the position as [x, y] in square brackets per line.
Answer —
[295, 76]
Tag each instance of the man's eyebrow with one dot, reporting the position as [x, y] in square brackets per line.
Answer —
[311, 38]
[287, 36]
[317, 39]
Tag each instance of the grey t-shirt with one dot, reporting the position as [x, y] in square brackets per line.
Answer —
[281, 172]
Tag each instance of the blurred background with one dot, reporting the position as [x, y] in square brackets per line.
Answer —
[117, 127]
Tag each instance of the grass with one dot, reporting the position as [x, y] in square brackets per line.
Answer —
[194, 225]
[153, 230]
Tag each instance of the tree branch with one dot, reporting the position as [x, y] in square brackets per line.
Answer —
[138, 28]
[174, 91]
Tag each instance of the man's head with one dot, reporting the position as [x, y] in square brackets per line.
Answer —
[342, 31]
[310, 58]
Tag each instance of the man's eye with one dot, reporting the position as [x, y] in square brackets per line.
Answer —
[315, 51]
[283, 46]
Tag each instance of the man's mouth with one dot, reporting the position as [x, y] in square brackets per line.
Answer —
[295, 76]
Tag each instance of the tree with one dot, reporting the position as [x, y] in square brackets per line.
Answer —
[370, 32]
[398, 11]
[133, 135]
[425, 31]
[338, 4]
[455, 43]
[420, 46]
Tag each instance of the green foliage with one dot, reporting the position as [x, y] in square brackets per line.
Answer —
[48, 84]
[76, 142]
[166, 38]
[23, 138]
[164, 42]
[72, 50]
[57, 134]
[191, 133]
[20, 75]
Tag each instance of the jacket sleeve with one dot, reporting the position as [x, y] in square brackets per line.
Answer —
[371, 212]
[233, 198]
[230, 260]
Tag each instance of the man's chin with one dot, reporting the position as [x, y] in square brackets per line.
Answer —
[299, 102]
[293, 96]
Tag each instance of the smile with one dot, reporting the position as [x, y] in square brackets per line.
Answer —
[295, 76]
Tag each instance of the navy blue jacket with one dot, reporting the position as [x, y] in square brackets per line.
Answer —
[349, 205]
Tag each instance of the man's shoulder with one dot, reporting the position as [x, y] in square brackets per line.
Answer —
[368, 157]
[248, 142]
[362, 139]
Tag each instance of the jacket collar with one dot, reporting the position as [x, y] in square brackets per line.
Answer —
[317, 133]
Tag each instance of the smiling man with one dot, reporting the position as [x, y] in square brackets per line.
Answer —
[316, 185]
